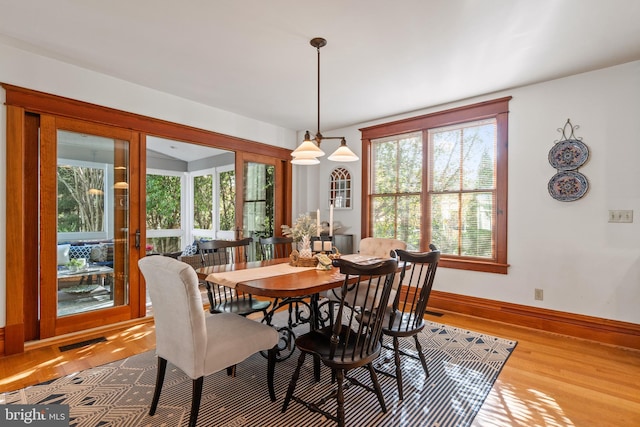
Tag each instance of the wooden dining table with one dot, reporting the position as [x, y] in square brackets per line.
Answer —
[298, 282]
[296, 289]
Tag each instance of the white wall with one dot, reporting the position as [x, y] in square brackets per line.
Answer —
[584, 264]
[20, 68]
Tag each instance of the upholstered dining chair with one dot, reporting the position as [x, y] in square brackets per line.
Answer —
[198, 344]
[406, 318]
[353, 340]
[380, 247]
[275, 247]
[221, 298]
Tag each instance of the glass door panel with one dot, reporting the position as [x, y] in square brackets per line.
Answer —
[92, 223]
[86, 238]
[258, 201]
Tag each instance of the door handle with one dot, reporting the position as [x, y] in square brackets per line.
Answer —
[138, 239]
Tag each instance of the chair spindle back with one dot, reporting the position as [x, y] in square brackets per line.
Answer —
[357, 329]
[417, 281]
[275, 247]
[217, 252]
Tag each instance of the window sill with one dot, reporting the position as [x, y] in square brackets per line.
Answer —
[474, 265]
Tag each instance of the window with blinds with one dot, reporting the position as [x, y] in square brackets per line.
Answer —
[462, 187]
[441, 179]
[396, 188]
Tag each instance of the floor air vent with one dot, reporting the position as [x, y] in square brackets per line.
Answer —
[81, 344]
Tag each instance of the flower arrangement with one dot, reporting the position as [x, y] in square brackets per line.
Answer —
[304, 226]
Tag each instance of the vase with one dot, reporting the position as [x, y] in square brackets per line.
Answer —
[304, 247]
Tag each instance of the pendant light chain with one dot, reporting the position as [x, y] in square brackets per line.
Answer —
[308, 152]
[318, 135]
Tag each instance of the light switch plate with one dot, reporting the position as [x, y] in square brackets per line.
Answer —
[620, 216]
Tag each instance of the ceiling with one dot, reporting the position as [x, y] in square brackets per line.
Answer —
[181, 150]
[253, 57]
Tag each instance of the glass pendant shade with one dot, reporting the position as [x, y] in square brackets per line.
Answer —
[343, 154]
[307, 149]
[305, 157]
[305, 161]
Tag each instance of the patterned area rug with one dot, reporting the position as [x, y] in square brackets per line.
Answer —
[463, 366]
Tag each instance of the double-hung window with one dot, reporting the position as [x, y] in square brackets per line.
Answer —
[396, 188]
[441, 179]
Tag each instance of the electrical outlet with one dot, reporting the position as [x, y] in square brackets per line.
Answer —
[620, 216]
[538, 294]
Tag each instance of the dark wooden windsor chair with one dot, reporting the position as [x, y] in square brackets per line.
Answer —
[275, 247]
[221, 298]
[406, 318]
[354, 338]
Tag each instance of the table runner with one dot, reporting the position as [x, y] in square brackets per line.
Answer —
[232, 278]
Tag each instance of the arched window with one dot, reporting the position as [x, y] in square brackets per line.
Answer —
[340, 189]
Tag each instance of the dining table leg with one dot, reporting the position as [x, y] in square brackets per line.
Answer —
[300, 310]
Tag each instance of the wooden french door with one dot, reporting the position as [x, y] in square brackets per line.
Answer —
[89, 225]
[261, 194]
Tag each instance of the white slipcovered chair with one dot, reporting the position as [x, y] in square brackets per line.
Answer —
[199, 344]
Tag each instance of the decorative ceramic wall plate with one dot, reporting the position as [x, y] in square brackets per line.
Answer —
[569, 154]
[567, 186]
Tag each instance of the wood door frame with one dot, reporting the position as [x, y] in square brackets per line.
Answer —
[25, 105]
[17, 271]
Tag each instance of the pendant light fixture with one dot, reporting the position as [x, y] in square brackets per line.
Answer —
[308, 152]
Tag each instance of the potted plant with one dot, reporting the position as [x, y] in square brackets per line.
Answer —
[76, 264]
[301, 233]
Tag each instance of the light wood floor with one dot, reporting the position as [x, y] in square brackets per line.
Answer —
[550, 380]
